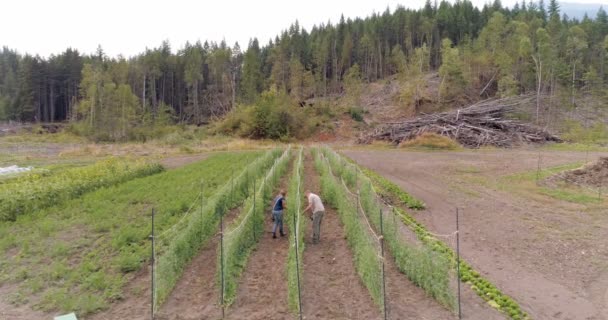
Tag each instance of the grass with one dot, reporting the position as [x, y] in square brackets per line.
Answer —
[34, 191]
[525, 183]
[241, 237]
[431, 141]
[425, 268]
[575, 147]
[294, 217]
[87, 246]
[365, 248]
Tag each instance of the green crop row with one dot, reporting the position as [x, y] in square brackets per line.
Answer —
[36, 191]
[426, 268]
[484, 288]
[387, 189]
[294, 218]
[364, 247]
[199, 228]
[79, 256]
[242, 235]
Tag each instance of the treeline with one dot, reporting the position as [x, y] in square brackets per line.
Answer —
[482, 52]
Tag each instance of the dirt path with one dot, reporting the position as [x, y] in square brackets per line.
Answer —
[331, 287]
[196, 294]
[262, 292]
[180, 161]
[547, 254]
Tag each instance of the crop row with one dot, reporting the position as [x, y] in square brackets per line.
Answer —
[484, 288]
[388, 189]
[364, 247]
[36, 191]
[297, 225]
[243, 234]
[424, 267]
[199, 228]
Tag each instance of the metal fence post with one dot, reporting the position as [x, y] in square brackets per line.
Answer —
[295, 236]
[153, 291]
[254, 213]
[458, 260]
[383, 277]
[222, 259]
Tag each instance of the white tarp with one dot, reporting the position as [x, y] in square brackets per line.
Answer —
[14, 169]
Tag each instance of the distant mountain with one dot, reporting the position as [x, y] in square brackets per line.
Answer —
[578, 10]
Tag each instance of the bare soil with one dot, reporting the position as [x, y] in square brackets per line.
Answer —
[549, 255]
[262, 292]
[180, 161]
[331, 288]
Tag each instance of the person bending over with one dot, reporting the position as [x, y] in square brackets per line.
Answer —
[315, 205]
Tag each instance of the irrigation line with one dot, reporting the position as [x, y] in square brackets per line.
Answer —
[383, 275]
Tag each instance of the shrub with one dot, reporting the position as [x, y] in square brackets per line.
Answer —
[431, 141]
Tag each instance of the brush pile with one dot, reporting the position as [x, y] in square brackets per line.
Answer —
[485, 123]
[594, 175]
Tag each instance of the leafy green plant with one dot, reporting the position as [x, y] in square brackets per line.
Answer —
[243, 234]
[36, 191]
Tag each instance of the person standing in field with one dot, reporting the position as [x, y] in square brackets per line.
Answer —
[315, 205]
[277, 214]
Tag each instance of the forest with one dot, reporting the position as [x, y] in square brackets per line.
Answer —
[495, 51]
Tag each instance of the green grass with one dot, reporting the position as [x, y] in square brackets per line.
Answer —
[241, 237]
[525, 183]
[34, 191]
[364, 247]
[575, 147]
[294, 196]
[424, 267]
[83, 250]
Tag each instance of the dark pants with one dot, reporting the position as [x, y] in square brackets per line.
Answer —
[278, 221]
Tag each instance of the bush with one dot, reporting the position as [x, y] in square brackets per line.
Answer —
[431, 141]
[274, 116]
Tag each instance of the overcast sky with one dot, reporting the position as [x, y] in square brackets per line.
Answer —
[129, 26]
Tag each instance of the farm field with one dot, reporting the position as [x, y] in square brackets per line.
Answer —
[91, 254]
[545, 248]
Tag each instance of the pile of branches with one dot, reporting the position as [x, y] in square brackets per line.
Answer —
[485, 123]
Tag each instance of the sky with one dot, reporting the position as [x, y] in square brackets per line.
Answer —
[128, 27]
